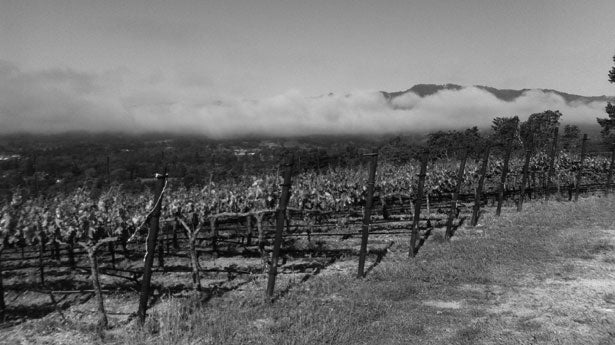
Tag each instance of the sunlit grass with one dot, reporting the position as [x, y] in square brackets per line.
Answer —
[386, 306]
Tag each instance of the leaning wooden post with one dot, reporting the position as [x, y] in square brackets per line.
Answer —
[367, 213]
[481, 183]
[417, 206]
[451, 212]
[279, 227]
[524, 180]
[150, 248]
[609, 177]
[579, 177]
[509, 146]
[551, 170]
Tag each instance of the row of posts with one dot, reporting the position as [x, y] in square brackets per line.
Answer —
[479, 189]
[286, 184]
[420, 193]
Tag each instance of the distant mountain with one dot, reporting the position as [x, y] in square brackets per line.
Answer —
[507, 95]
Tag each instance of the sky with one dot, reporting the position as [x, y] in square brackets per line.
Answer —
[235, 67]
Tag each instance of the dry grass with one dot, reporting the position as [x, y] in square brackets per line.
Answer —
[387, 306]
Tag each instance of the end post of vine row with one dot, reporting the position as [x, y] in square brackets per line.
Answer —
[368, 211]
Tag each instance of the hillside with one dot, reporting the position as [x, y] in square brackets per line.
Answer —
[543, 276]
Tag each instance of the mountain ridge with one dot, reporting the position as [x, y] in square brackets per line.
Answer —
[507, 95]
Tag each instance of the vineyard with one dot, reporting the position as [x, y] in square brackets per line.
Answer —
[68, 248]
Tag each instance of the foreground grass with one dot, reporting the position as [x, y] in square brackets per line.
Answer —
[431, 299]
[393, 304]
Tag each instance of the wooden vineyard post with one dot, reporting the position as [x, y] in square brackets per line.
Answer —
[214, 234]
[417, 206]
[56, 249]
[250, 230]
[525, 178]
[451, 212]
[150, 249]
[279, 227]
[609, 177]
[551, 170]
[368, 212]
[509, 146]
[481, 183]
[580, 172]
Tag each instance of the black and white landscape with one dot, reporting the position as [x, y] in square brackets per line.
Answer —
[307, 172]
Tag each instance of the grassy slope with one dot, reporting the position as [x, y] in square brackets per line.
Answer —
[447, 295]
[441, 297]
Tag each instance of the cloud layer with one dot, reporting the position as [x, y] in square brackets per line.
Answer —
[54, 101]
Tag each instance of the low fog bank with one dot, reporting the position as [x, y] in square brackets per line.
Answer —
[56, 101]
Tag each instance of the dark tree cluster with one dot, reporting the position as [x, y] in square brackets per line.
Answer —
[608, 123]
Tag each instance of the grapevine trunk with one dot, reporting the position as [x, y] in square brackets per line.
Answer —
[102, 315]
[196, 279]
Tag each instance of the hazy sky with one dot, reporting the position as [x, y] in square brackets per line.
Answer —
[112, 57]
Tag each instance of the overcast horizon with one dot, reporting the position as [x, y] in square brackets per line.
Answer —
[225, 68]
